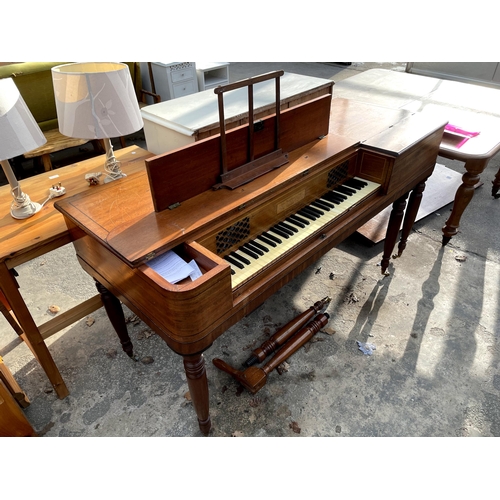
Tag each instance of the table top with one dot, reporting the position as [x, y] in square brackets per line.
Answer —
[197, 112]
[22, 240]
[471, 107]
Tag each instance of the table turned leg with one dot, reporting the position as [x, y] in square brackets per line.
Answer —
[196, 374]
[115, 314]
[463, 196]
[410, 216]
[395, 220]
[496, 186]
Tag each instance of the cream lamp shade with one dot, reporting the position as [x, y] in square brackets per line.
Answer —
[19, 133]
[97, 101]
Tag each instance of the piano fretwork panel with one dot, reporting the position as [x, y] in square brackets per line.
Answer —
[265, 235]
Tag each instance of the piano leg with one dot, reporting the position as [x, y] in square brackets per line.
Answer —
[196, 374]
[410, 216]
[115, 314]
[395, 220]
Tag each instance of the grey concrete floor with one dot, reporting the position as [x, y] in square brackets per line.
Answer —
[434, 321]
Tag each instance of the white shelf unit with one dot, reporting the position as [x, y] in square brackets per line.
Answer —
[211, 75]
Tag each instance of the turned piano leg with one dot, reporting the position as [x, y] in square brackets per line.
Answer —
[395, 220]
[196, 374]
[115, 314]
[410, 216]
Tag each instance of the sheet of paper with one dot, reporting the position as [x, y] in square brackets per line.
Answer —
[172, 267]
[196, 270]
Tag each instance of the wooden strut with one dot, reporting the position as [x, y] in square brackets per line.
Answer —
[283, 334]
[254, 378]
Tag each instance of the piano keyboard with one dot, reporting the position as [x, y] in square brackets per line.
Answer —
[256, 254]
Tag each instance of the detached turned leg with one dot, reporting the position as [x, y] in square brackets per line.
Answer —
[410, 216]
[395, 220]
[115, 314]
[196, 374]
[462, 197]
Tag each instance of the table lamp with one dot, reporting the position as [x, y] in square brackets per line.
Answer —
[19, 133]
[97, 101]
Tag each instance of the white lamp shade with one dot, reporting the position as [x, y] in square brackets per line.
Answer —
[95, 100]
[19, 132]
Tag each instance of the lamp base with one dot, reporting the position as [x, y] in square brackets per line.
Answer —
[116, 175]
[112, 165]
[25, 209]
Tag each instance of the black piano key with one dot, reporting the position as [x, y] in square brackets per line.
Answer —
[288, 229]
[272, 237]
[321, 206]
[248, 252]
[234, 262]
[240, 258]
[339, 193]
[296, 222]
[356, 183]
[268, 240]
[307, 215]
[259, 246]
[314, 211]
[346, 190]
[329, 204]
[233, 271]
[334, 197]
[279, 232]
[291, 227]
[253, 248]
[300, 220]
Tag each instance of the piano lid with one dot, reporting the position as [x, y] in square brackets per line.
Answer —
[400, 137]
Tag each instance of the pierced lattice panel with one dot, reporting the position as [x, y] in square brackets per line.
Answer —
[233, 234]
[338, 174]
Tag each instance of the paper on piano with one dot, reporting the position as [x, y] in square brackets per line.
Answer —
[196, 270]
[173, 268]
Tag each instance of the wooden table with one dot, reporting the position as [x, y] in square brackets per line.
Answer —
[471, 107]
[23, 240]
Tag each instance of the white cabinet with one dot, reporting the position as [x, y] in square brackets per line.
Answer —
[212, 74]
[174, 79]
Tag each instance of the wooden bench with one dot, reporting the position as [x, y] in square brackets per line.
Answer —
[58, 142]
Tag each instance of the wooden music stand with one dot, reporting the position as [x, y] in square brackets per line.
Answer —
[254, 167]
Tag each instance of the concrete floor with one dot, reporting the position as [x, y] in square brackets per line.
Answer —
[434, 322]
